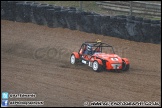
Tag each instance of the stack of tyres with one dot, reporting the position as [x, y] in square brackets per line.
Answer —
[71, 19]
[27, 11]
[84, 22]
[138, 34]
[105, 22]
[130, 27]
[12, 13]
[20, 12]
[62, 20]
[146, 31]
[45, 13]
[121, 16]
[112, 27]
[78, 20]
[155, 32]
[58, 8]
[97, 24]
[49, 17]
[9, 10]
[53, 17]
[146, 27]
[121, 27]
[41, 12]
[140, 19]
[4, 9]
[72, 8]
[34, 15]
[138, 25]
[40, 17]
[89, 24]
[57, 19]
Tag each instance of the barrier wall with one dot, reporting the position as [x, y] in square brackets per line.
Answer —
[125, 27]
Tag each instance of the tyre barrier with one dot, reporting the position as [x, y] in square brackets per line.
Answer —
[50, 17]
[89, 23]
[60, 20]
[121, 16]
[138, 19]
[23, 12]
[84, 21]
[71, 19]
[155, 22]
[112, 27]
[137, 32]
[146, 20]
[9, 10]
[155, 33]
[121, 26]
[97, 24]
[3, 9]
[34, 15]
[132, 29]
[130, 17]
[146, 30]
[27, 11]
[40, 17]
[105, 20]
[56, 17]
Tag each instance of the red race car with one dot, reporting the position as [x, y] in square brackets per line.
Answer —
[99, 56]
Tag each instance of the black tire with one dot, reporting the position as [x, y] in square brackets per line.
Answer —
[146, 20]
[131, 17]
[70, 20]
[146, 31]
[125, 67]
[155, 21]
[139, 19]
[96, 67]
[50, 17]
[34, 15]
[73, 59]
[121, 16]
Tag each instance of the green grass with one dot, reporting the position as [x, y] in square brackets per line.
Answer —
[91, 6]
[62, 3]
[87, 5]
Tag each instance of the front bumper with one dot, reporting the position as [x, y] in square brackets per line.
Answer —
[116, 66]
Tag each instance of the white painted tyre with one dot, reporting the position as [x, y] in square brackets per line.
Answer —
[72, 59]
[95, 65]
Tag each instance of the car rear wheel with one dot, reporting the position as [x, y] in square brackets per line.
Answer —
[73, 60]
[96, 66]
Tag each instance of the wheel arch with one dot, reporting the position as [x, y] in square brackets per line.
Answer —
[99, 61]
[126, 60]
[76, 54]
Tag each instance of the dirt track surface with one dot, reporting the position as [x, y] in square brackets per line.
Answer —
[35, 59]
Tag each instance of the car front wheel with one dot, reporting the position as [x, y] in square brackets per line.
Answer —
[125, 67]
[96, 66]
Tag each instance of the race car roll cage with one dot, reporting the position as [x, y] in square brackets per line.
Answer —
[99, 45]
